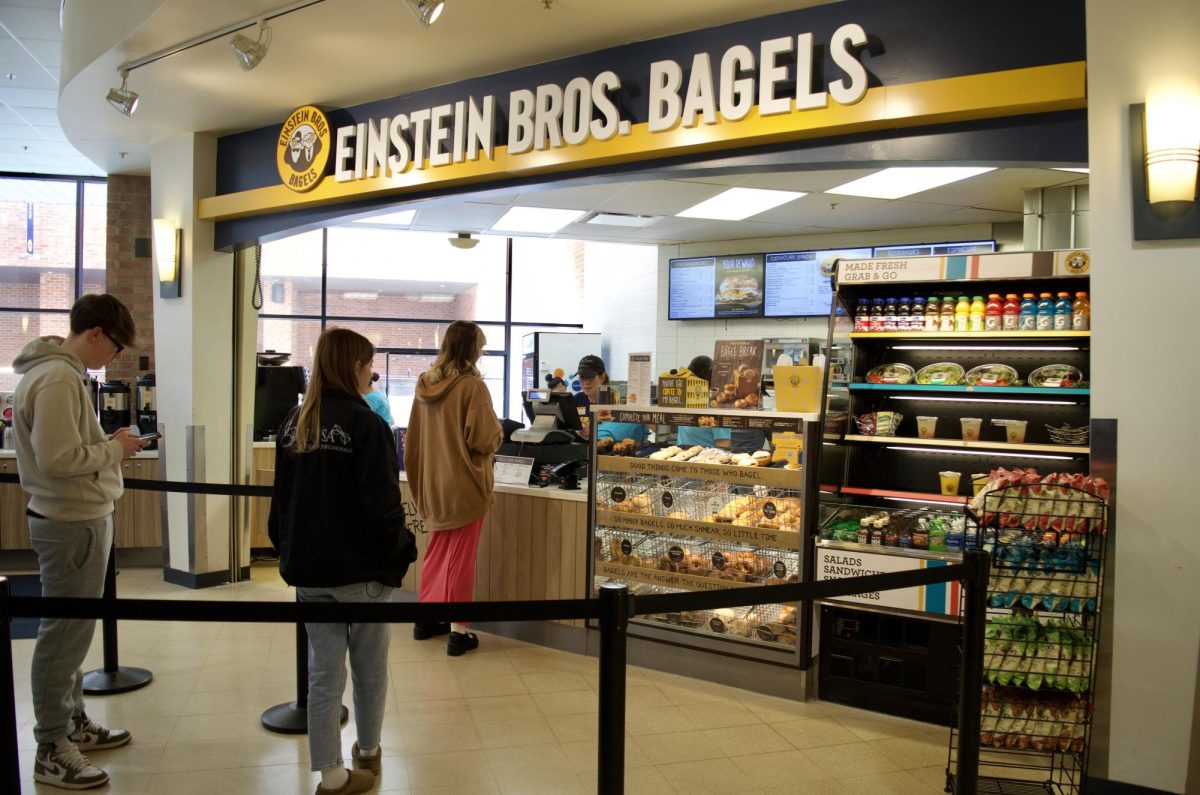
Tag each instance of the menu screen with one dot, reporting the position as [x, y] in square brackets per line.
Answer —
[797, 283]
[716, 287]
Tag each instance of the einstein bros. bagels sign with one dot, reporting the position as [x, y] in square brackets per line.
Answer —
[303, 148]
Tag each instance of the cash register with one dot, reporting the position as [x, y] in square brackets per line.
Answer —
[551, 439]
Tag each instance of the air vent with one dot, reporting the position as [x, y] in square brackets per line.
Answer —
[621, 219]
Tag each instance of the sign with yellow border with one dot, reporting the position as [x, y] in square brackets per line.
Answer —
[302, 150]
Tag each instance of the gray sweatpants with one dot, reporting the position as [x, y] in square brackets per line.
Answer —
[72, 558]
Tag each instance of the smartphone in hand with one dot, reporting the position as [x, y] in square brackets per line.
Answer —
[149, 437]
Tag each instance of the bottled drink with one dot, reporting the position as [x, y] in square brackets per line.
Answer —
[903, 314]
[1012, 311]
[864, 531]
[1045, 312]
[889, 315]
[917, 322]
[840, 321]
[862, 315]
[992, 313]
[877, 315]
[1062, 312]
[932, 317]
[877, 533]
[1081, 313]
[946, 320]
[962, 314]
[1028, 313]
[920, 536]
[978, 310]
[890, 537]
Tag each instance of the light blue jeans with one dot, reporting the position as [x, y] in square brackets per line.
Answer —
[327, 647]
[72, 560]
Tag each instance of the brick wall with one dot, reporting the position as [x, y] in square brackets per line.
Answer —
[130, 277]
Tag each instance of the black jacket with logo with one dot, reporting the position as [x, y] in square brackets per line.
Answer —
[336, 515]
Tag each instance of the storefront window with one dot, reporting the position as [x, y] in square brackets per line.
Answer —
[16, 331]
[296, 337]
[95, 236]
[399, 274]
[37, 243]
[291, 275]
[547, 280]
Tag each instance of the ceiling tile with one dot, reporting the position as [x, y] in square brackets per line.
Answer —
[659, 197]
[581, 197]
[19, 98]
[815, 210]
[891, 215]
[467, 216]
[31, 20]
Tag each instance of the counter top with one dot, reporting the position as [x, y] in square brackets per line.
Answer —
[549, 493]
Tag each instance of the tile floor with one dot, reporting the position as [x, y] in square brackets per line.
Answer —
[509, 718]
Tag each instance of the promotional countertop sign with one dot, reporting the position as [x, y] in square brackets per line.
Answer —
[851, 67]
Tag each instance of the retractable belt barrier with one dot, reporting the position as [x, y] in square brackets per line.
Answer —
[613, 609]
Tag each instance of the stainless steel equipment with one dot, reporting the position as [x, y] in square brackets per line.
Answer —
[114, 406]
[147, 407]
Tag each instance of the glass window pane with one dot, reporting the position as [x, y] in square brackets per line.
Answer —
[16, 331]
[393, 273]
[284, 335]
[291, 275]
[37, 255]
[516, 372]
[547, 280]
[95, 236]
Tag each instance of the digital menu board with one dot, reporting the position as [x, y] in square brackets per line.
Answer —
[797, 283]
[728, 286]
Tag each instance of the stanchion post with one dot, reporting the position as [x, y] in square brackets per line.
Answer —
[292, 717]
[614, 622]
[112, 678]
[10, 778]
[970, 700]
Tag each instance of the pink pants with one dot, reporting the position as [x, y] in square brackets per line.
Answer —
[448, 572]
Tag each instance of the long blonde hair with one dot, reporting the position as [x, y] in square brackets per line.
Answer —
[338, 351]
[461, 348]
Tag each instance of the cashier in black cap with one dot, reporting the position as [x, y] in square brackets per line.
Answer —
[593, 380]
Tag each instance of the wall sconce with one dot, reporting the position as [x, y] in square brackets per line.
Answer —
[1172, 148]
[168, 248]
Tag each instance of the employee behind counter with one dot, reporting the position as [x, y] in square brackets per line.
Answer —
[593, 378]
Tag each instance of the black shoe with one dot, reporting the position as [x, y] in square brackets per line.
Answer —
[459, 643]
[425, 630]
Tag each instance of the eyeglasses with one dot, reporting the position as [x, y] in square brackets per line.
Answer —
[116, 344]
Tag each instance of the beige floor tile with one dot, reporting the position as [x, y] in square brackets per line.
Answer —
[536, 769]
[275, 749]
[144, 730]
[873, 725]
[482, 667]
[505, 685]
[851, 759]
[816, 788]
[898, 782]
[447, 710]
[781, 769]
[645, 694]
[514, 732]
[488, 788]
[814, 732]
[555, 682]
[690, 746]
[502, 707]
[641, 721]
[441, 737]
[915, 751]
[776, 710]
[934, 776]
[584, 755]
[571, 702]
[574, 728]
[433, 688]
[198, 782]
[204, 755]
[745, 740]
[645, 781]
[215, 727]
[459, 770]
[702, 778]
[276, 780]
[534, 660]
[719, 715]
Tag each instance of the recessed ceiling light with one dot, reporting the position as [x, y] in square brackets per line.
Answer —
[535, 220]
[1076, 170]
[737, 204]
[896, 183]
[621, 219]
[400, 218]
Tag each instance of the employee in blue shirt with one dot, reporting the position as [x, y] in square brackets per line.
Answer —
[378, 403]
[691, 435]
[593, 379]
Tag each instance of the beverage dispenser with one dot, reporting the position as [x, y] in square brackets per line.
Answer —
[147, 407]
[114, 406]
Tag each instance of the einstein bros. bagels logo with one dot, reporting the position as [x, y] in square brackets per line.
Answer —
[303, 148]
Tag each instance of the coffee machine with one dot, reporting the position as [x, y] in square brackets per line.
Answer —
[114, 406]
[147, 407]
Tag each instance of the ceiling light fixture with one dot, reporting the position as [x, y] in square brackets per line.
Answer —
[535, 220]
[621, 219]
[426, 11]
[737, 204]
[464, 240]
[901, 181]
[122, 98]
[250, 53]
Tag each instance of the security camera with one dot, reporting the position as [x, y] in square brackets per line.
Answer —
[464, 240]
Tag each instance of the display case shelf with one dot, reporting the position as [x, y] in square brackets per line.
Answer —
[974, 390]
[905, 495]
[968, 335]
[849, 546]
[981, 446]
[779, 477]
[666, 579]
[716, 531]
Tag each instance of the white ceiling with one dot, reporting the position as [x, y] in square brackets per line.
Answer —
[379, 44]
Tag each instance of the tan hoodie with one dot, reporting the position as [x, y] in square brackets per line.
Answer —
[452, 437]
[69, 467]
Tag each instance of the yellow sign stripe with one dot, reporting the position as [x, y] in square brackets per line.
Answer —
[1039, 89]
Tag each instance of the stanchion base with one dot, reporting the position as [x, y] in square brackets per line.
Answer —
[291, 718]
[108, 683]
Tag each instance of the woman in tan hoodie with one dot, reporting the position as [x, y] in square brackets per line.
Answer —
[452, 437]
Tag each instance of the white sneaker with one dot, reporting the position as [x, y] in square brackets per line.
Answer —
[62, 765]
[91, 736]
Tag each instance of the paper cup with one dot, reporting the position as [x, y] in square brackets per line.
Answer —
[926, 427]
[970, 428]
[950, 483]
[978, 482]
[1014, 431]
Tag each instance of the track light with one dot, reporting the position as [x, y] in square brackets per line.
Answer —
[250, 53]
[426, 11]
[122, 98]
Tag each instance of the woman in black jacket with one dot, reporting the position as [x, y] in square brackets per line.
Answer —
[338, 524]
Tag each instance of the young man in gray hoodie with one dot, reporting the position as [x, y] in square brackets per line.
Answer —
[71, 471]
